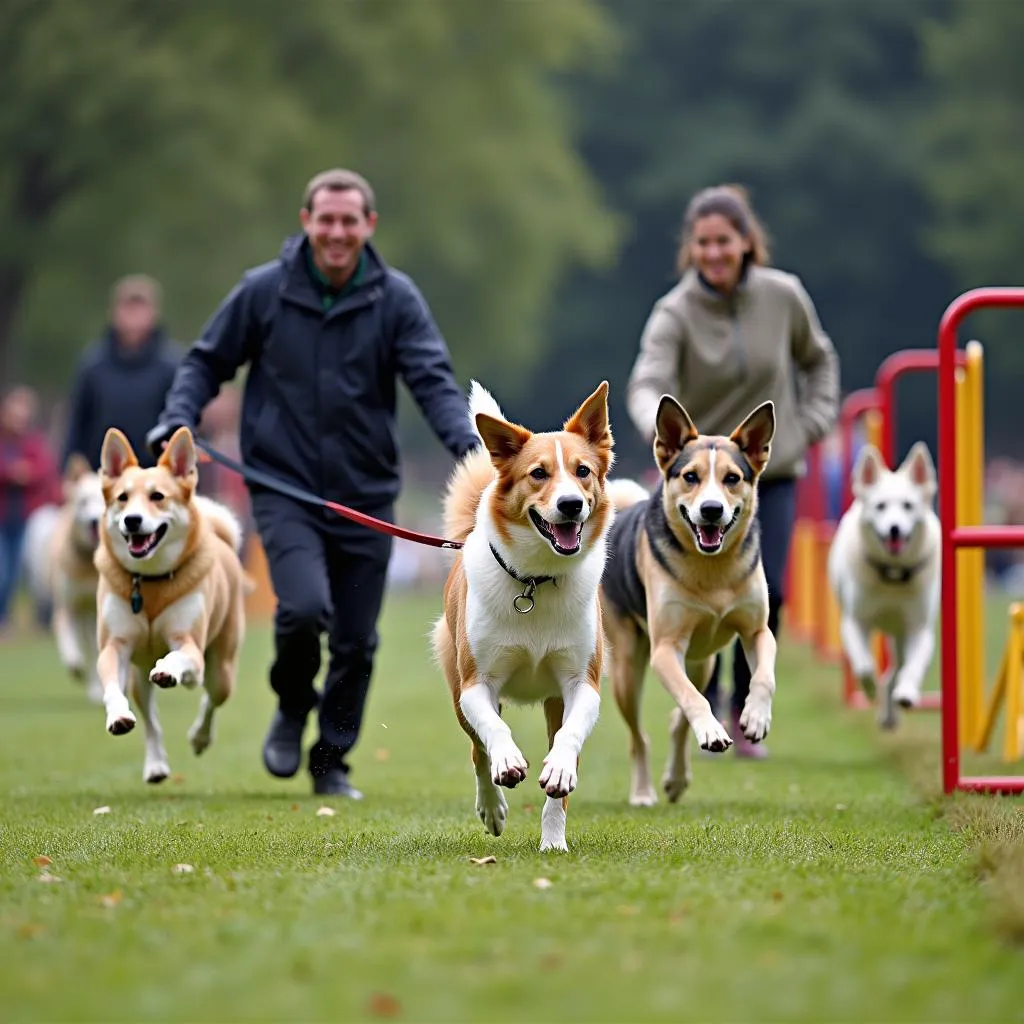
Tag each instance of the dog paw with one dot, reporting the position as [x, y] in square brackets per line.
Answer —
[491, 808]
[155, 770]
[508, 766]
[756, 720]
[710, 734]
[76, 669]
[674, 787]
[868, 684]
[907, 695]
[643, 798]
[173, 669]
[555, 844]
[200, 736]
[120, 722]
[888, 721]
[558, 776]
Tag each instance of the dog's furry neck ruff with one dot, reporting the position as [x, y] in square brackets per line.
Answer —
[524, 602]
[891, 573]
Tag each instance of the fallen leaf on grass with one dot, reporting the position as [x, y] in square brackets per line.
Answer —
[295, 807]
[29, 930]
[325, 812]
[41, 861]
[382, 753]
[384, 1005]
[483, 860]
[102, 810]
[178, 778]
[777, 896]
[542, 883]
[183, 869]
[111, 899]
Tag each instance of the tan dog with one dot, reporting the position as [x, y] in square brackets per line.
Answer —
[522, 619]
[171, 592]
[683, 578]
[72, 574]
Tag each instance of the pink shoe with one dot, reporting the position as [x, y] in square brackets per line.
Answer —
[743, 746]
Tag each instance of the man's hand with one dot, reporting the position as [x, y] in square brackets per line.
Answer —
[158, 437]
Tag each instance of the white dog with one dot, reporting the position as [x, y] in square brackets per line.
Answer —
[884, 569]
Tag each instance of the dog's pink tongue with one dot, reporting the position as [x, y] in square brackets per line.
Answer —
[138, 544]
[567, 535]
[711, 536]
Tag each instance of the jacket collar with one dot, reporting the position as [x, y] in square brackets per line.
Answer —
[297, 285]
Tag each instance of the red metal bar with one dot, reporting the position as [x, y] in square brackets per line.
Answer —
[855, 405]
[992, 784]
[891, 368]
[961, 307]
[988, 537]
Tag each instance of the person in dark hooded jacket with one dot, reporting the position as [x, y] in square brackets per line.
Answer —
[327, 329]
[122, 378]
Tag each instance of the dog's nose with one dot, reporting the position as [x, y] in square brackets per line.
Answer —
[570, 507]
[894, 532]
[133, 523]
[711, 511]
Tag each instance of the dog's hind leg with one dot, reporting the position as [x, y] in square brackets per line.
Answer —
[218, 685]
[155, 767]
[678, 773]
[913, 657]
[552, 817]
[629, 654]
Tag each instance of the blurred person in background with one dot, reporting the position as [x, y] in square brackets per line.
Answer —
[327, 330]
[734, 333]
[122, 379]
[29, 479]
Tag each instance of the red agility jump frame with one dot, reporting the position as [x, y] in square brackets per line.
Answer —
[954, 537]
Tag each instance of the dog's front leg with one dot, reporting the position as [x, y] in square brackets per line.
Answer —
[918, 649]
[759, 650]
[182, 665]
[479, 706]
[857, 646]
[582, 706]
[113, 665]
[667, 659]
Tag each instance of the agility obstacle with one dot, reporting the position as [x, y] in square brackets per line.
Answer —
[962, 677]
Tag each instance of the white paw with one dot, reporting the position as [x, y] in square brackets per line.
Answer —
[554, 842]
[558, 776]
[906, 693]
[173, 669]
[710, 733]
[756, 719]
[120, 719]
[643, 797]
[491, 807]
[156, 769]
[508, 766]
[200, 736]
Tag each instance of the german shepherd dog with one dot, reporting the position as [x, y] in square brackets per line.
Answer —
[683, 578]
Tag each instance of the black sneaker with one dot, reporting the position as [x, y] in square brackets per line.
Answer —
[335, 783]
[282, 749]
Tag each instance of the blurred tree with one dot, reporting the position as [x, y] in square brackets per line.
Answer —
[811, 105]
[176, 139]
[974, 138]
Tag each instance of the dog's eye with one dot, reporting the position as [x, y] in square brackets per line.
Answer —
[907, 506]
[156, 496]
[583, 472]
[691, 476]
[122, 497]
[731, 479]
[540, 473]
[880, 506]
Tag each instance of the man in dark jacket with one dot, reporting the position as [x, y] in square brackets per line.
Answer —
[327, 329]
[122, 379]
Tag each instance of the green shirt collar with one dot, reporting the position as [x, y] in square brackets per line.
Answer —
[327, 292]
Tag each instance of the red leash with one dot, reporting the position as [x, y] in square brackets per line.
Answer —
[264, 480]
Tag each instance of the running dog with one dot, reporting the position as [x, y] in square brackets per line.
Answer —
[883, 567]
[684, 577]
[522, 619]
[171, 592]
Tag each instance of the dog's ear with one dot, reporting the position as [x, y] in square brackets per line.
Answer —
[117, 454]
[673, 430]
[754, 436]
[590, 421]
[179, 457]
[77, 467]
[503, 440]
[868, 470]
[918, 466]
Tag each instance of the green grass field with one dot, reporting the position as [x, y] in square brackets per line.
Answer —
[826, 883]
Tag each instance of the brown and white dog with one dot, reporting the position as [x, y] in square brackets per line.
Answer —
[684, 577]
[72, 574]
[171, 592]
[522, 618]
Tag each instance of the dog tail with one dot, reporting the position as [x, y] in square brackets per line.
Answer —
[625, 493]
[224, 522]
[473, 474]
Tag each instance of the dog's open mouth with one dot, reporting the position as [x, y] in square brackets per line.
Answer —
[710, 536]
[142, 544]
[563, 537]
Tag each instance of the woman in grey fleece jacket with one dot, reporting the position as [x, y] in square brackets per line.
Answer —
[731, 334]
